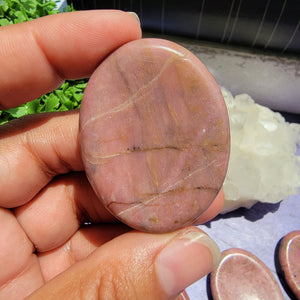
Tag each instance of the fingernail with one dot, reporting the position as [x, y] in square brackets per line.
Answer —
[134, 15]
[185, 260]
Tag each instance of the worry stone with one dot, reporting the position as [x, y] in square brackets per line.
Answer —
[289, 259]
[154, 135]
[242, 276]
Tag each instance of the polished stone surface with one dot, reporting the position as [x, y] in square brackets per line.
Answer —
[154, 135]
[289, 258]
[242, 276]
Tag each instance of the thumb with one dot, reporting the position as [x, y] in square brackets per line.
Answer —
[137, 265]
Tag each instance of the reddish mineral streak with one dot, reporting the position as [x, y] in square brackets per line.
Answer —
[154, 135]
[241, 275]
[289, 258]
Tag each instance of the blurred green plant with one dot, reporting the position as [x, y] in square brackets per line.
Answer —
[17, 11]
[68, 96]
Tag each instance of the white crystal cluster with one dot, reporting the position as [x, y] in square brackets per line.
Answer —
[263, 165]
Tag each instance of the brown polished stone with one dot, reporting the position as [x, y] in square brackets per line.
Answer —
[289, 259]
[154, 135]
[242, 276]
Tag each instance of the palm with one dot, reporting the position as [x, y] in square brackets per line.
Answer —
[46, 227]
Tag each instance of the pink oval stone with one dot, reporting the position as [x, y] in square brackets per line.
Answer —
[289, 258]
[241, 276]
[154, 135]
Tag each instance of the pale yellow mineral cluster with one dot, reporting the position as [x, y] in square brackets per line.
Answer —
[263, 164]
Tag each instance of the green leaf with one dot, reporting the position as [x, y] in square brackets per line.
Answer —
[20, 17]
[52, 103]
[30, 7]
[18, 112]
[81, 86]
[4, 22]
[4, 118]
[34, 106]
[3, 7]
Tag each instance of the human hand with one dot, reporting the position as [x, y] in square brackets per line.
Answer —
[45, 197]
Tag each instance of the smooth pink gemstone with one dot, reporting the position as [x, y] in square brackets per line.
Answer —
[289, 258]
[242, 276]
[154, 135]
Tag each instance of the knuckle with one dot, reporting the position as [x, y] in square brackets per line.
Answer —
[116, 285]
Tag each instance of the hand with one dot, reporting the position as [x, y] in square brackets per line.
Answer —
[45, 248]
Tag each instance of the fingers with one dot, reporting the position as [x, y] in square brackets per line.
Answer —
[57, 212]
[160, 267]
[70, 201]
[13, 257]
[33, 150]
[37, 148]
[37, 56]
[24, 284]
[80, 245]
[20, 271]
[213, 210]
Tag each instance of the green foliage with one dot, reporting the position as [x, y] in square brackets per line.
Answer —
[69, 95]
[17, 11]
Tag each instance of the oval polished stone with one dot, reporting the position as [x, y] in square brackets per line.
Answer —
[154, 135]
[242, 276]
[289, 259]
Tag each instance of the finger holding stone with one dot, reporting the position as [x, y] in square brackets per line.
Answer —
[57, 212]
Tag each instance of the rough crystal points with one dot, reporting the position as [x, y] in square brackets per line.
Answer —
[154, 135]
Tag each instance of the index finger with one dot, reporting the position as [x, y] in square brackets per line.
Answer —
[37, 56]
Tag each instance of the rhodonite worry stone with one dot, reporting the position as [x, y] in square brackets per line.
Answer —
[154, 135]
[241, 275]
